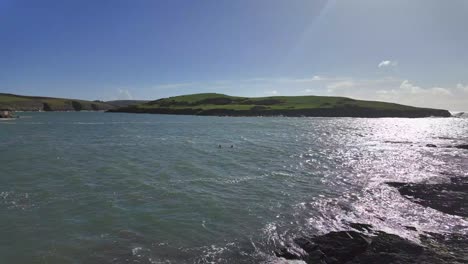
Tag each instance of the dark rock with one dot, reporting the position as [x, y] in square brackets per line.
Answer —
[306, 244]
[380, 247]
[388, 248]
[431, 146]
[463, 146]
[340, 247]
[353, 247]
[288, 253]
[334, 247]
[397, 142]
[450, 198]
[397, 184]
[459, 180]
[389, 243]
[412, 228]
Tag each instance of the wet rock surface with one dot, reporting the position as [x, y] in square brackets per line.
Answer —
[366, 245]
[378, 247]
[450, 198]
[463, 146]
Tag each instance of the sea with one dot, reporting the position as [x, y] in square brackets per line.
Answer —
[94, 187]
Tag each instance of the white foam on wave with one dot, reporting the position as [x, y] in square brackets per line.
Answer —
[136, 251]
[88, 123]
[14, 200]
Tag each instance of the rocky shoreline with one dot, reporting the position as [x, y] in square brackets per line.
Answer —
[320, 112]
[362, 244]
[376, 247]
[450, 198]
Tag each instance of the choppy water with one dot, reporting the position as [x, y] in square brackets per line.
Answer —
[123, 188]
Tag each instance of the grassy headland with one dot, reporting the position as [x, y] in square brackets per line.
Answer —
[125, 103]
[37, 103]
[224, 105]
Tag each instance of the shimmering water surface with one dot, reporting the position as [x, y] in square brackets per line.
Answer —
[124, 188]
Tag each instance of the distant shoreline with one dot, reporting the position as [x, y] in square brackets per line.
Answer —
[17, 103]
[293, 106]
[213, 104]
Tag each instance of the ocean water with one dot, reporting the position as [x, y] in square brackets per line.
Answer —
[125, 188]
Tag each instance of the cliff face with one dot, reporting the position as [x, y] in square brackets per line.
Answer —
[307, 106]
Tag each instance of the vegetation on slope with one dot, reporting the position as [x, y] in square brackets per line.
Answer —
[35, 103]
[220, 104]
[125, 103]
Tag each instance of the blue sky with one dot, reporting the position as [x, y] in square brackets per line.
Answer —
[412, 52]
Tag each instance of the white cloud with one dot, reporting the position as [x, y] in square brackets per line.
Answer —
[387, 63]
[314, 78]
[441, 91]
[273, 92]
[251, 81]
[403, 92]
[451, 98]
[124, 94]
[408, 87]
[340, 85]
[463, 88]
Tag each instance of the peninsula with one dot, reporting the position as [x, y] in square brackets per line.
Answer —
[13, 102]
[213, 104]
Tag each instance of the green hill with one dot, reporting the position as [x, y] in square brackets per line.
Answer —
[224, 105]
[125, 103]
[36, 103]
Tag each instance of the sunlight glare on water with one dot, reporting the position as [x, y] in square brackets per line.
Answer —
[122, 188]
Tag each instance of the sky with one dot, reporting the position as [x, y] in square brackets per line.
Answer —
[410, 52]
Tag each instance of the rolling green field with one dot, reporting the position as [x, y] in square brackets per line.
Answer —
[213, 100]
[220, 104]
[35, 103]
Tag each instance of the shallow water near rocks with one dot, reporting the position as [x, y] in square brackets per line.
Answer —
[126, 188]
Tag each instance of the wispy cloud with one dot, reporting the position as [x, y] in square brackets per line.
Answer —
[124, 94]
[174, 85]
[250, 81]
[314, 78]
[413, 89]
[462, 88]
[441, 97]
[387, 63]
[333, 86]
[273, 92]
